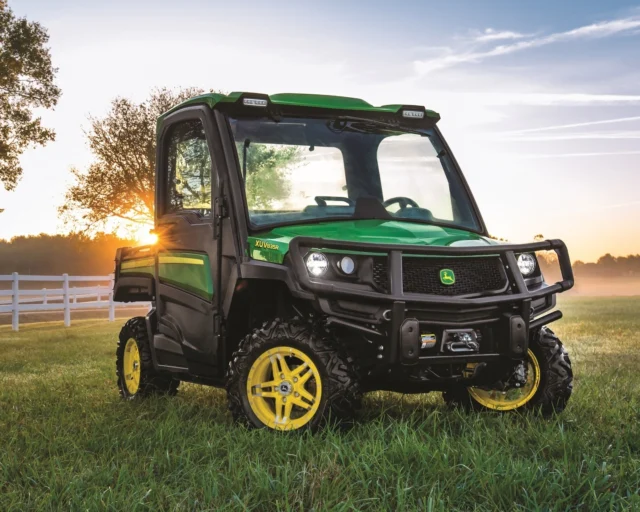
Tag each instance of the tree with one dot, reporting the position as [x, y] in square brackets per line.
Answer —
[267, 173]
[120, 183]
[26, 83]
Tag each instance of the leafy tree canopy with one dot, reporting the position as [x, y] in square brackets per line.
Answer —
[267, 170]
[26, 83]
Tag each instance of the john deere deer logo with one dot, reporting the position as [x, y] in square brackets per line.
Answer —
[447, 276]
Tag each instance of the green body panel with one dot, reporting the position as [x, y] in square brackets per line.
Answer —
[273, 245]
[187, 270]
[296, 99]
[139, 266]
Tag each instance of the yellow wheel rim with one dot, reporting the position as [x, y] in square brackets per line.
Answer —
[284, 388]
[131, 366]
[513, 398]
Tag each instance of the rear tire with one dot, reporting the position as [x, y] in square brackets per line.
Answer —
[330, 382]
[556, 379]
[137, 377]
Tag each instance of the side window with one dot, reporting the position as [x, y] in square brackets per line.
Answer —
[188, 185]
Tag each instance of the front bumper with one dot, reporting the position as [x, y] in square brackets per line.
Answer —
[507, 316]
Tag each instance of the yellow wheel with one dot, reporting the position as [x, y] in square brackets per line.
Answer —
[287, 376]
[547, 388]
[131, 365]
[284, 388]
[513, 398]
[134, 365]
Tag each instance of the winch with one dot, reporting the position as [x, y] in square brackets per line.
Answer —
[460, 341]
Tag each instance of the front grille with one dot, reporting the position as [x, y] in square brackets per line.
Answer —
[422, 275]
[381, 274]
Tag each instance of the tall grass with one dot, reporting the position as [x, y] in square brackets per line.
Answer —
[68, 442]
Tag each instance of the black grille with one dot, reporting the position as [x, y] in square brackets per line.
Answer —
[381, 274]
[422, 275]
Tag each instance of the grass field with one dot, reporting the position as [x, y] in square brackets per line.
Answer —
[68, 442]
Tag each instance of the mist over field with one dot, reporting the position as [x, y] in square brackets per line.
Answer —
[601, 287]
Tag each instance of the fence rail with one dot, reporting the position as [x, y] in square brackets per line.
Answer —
[66, 299]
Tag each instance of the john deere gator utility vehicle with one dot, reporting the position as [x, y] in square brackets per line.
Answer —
[313, 248]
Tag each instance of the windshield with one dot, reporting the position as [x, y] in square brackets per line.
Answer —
[298, 170]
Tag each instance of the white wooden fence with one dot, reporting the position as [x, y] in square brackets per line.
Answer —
[69, 297]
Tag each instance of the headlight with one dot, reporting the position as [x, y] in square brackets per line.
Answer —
[347, 265]
[526, 264]
[317, 264]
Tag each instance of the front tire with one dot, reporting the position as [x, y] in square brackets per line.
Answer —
[134, 364]
[549, 382]
[289, 376]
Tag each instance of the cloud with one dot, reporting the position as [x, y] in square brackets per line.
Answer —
[538, 99]
[576, 125]
[592, 208]
[550, 99]
[544, 137]
[498, 35]
[595, 30]
[534, 156]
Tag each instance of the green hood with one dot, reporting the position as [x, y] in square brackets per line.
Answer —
[273, 245]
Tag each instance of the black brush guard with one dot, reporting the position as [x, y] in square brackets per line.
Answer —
[517, 298]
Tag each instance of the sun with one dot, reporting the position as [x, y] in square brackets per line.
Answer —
[144, 236]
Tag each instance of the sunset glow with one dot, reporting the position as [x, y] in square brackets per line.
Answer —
[144, 237]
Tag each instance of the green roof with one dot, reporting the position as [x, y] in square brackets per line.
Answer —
[301, 100]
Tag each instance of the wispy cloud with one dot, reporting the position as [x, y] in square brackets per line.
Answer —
[544, 137]
[576, 125]
[595, 30]
[596, 208]
[533, 156]
[498, 35]
[542, 99]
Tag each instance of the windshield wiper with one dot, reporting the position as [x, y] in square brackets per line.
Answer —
[382, 124]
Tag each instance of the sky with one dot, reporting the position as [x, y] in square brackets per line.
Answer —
[540, 101]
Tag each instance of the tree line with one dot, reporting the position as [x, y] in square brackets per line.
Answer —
[610, 266]
[73, 254]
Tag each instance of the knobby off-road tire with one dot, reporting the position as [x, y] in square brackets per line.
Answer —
[556, 378]
[340, 390]
[150, 382]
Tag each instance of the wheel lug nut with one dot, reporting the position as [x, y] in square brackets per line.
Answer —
[284, 398]
[296, 394]
[295, 379]
[282, 375]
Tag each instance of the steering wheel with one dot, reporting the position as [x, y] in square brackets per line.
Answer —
[322, 200]
[402, 201]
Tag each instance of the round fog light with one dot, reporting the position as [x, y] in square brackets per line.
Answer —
[317, 264]
[347, 265]
[526, 264]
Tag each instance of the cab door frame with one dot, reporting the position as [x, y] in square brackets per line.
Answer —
[186, 335]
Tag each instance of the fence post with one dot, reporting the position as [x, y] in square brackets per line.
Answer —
[46, 298]
[65, 299]
[15, 302]
[112, 305]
